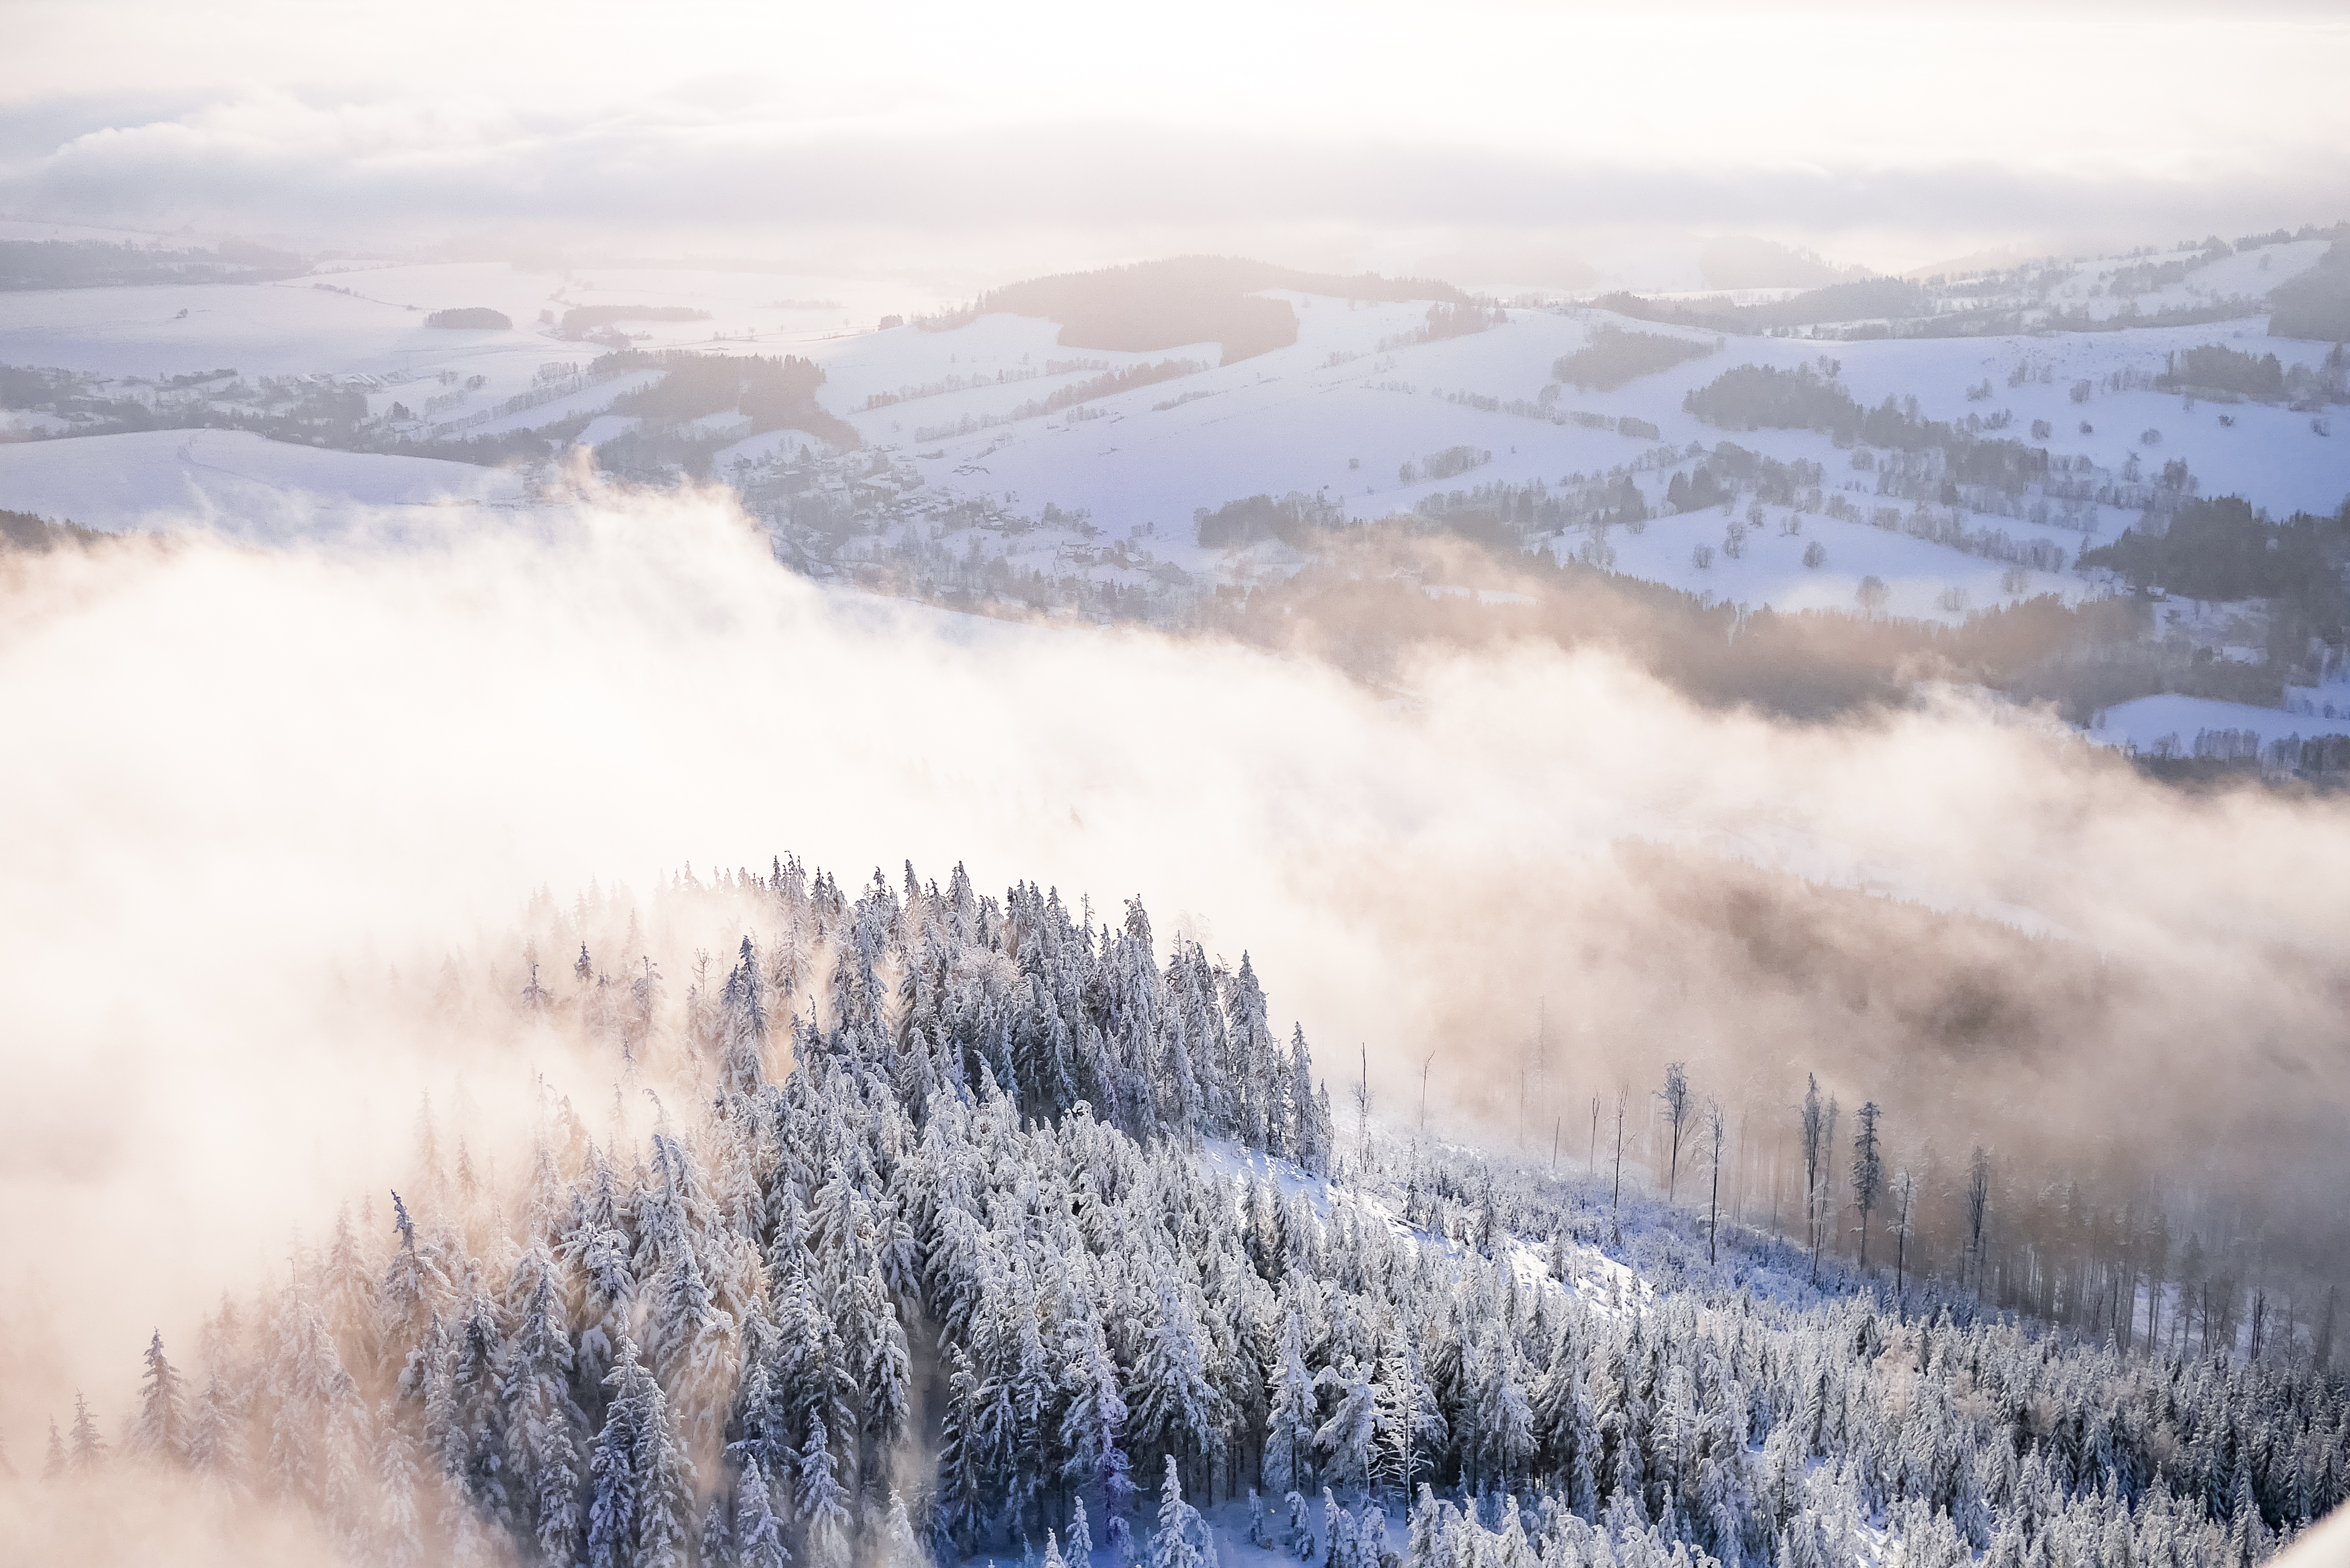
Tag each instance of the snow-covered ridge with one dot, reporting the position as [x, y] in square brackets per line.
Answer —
[983, 1218]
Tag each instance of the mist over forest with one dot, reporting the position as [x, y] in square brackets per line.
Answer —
[1503, 790]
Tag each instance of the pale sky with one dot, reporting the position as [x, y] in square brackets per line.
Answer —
[961, 138]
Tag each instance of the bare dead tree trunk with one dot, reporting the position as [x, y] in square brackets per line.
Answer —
[1713, 1203]
[1616, 1199]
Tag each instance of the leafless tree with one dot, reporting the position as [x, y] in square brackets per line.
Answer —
[1675, 1098]
[1978, 1206]
[1904, 1199]
[2157, 1261]
[1713, 1128]
[1616, 1199]
[1819, 1135]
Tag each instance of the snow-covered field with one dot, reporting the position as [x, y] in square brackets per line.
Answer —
[1287, 420]
[2148, 723]
[962, 453]
[1923, 581]
[233, 482]
[363, 320]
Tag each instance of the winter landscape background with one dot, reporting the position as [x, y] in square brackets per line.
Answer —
[1521, 786]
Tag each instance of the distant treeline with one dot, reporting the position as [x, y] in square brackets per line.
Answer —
[1614, 357]
[1898, 307]
[2219, 368]
[1505, 516]
[772, 394]
[1110, 383]
[1860, 301]
[27, 531]
[1160, 304]
[2221, 549]
[99, 263]
[1762, 397]
[1995, 323]
[581, 319]
[1741, 261]
[1293, 519]
[2315, 305]
[1360, 605]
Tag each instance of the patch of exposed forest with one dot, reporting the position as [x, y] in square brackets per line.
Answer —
[2223, 549]
[1854, 301]
[98, 264]
[767, 393]
[31, 533]
[770, 393]
[1614, 357]
[1362, 604]
[1762, 397]
[2317, 303]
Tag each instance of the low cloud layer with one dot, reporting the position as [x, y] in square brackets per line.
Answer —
[946, 143]
[265, 780]
[1021, 197]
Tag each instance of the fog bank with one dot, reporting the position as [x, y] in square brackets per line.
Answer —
[252, 784]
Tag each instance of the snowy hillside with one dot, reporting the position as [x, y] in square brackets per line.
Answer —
[235, 481]
[976, 1228]
[2028, 417]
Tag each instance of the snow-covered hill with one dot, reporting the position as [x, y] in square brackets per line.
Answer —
[980, 1265]
[992, 460]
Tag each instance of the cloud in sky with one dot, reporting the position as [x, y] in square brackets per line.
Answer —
[903, 134]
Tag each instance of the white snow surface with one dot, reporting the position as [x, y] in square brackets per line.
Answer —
[1335, 415]
[1289, 420]
[2146, 721]
[232, 482]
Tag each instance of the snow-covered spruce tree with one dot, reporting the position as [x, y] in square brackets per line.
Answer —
[87, 1452]
[160, 1430]
[1290, 1425]
[1093, 1421]
[899, 1547]
[758, 1531]
[1346, 1442]
[397, 1535]
[1408, 1424]
[544, 1424]
[822, 1503]
[640, 1500]
[1172, 1544]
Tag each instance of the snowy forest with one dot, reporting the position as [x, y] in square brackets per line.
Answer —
[927, 1227]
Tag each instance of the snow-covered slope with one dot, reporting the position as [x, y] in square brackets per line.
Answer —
[233, 482]
[896, 1293]
[2170, 725]
[993, 442]
[1290, 421]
